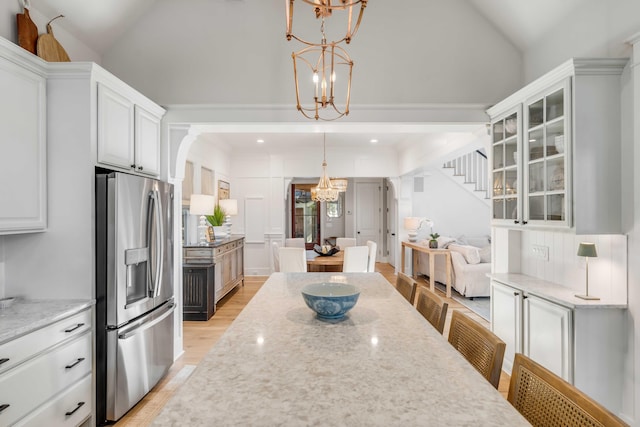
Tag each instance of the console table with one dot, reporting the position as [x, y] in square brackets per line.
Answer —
[432, 262]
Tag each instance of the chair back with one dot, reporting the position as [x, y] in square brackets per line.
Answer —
[545, 399]
[296, 242]
[481, 347]
[293, 260]
[407, 287]
[345, 242]
[373, 249]
[433, 308]
[275, 248]
[356, 259]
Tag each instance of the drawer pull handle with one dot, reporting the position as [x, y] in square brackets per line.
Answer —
[4, 406]
[80, 359]
[68, 414]
[79, 325]
[4, 360]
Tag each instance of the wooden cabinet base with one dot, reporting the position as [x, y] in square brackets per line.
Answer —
[198, 293]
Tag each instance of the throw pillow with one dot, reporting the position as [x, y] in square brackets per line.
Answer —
[485, 254]
[444, 242]
[470, 253]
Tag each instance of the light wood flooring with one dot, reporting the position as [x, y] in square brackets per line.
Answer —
[199, 337]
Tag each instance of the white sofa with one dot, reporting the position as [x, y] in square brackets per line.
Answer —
[471, 261]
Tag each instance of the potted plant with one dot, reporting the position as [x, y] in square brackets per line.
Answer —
[433, 243]
[217, 221]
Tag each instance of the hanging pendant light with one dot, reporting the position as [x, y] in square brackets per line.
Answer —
[324, 192]
[324, 9]
[339, 184]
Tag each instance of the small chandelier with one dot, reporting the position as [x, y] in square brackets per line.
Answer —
[324, 192]
[330, 69]
[339, 184]
[323, 9]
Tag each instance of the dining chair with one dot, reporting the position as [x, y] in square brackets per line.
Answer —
[356, 259]
[345, 242]
[276, 255]
[432, 307]
[481, 347]
[545, 399]
[373, 249]
[295, 242]
[407, 287]
[293, 260]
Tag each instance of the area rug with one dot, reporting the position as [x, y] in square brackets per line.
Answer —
[479, 305]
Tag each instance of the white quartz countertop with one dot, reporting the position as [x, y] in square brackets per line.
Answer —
[277, 364]
[27, 315]
[553, 291]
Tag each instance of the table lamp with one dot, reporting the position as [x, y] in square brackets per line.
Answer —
[230, 207]
[587, 250]
[411, 224]
[202, 204]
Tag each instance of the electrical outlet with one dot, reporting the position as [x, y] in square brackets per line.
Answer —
[540, 252]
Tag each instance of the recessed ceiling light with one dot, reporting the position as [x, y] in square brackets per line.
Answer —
[260, 141]
[374, 141]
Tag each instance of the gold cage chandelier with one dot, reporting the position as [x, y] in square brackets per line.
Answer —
[324, 9]
[324, 192]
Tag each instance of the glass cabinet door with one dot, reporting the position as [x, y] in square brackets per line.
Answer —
[546, 158]
[505, 167]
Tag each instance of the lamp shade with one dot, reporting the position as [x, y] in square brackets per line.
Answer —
[229, 206]
[587, 249]
[412, 222]
[201, 204]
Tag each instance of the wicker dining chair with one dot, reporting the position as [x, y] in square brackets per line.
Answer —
[545, 399]
[407, 287]
[433, 308]
[481, 347]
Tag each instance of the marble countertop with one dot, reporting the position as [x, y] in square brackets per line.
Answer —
[26, 315]
[553, 291]
[384, 364]
[218, 242]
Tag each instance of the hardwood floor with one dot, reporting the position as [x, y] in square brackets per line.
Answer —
[199, 337]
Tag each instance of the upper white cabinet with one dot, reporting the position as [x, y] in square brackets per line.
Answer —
[23, 154]
[556, 154]
[128, 134]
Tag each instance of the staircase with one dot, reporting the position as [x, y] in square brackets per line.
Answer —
[471, 172]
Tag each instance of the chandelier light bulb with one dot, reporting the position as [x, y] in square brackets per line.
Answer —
[316, 79]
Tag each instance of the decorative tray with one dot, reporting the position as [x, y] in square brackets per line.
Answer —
[328, 250]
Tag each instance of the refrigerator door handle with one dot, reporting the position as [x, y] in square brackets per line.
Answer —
[147, 325]
[159, 241]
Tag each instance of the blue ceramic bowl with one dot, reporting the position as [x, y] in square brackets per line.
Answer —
[330, 300]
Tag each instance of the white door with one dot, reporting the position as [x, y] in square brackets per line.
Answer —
[547, 335]
[147, 142]
[391, 227]
[505, 320]
[115, 129]
[368, 212]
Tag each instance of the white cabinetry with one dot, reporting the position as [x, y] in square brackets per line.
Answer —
[551, 166]
[23, 155]
[45, 375]
[582, 342]
[128, 134]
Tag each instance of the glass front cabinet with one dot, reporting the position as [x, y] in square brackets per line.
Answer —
[555, 155]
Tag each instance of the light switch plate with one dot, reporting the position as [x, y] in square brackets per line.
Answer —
[540, 252]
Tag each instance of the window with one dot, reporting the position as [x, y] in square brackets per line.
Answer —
[334, 209]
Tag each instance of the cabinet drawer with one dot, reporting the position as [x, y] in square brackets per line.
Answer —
[33, 383]
[69, 409]
[198, 253]
[28, 346]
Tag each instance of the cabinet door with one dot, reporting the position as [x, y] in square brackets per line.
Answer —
[23, 157]
[547, 335]
[115, 129]
[147, 142]
[505, 161]
[546, 157]
[506, 320]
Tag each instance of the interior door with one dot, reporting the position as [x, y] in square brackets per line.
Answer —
[391, 227]
[368, 213]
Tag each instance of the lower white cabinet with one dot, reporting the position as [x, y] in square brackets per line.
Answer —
[583, 343]
[48, 384]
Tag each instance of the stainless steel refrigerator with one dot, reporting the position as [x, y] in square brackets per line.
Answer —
[134, 289]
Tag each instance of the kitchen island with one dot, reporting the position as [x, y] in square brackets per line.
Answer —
[383, 364]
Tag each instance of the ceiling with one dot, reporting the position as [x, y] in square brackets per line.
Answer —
[99, 24]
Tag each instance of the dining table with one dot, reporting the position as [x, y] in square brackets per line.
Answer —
[324, 263]
[382, 364]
